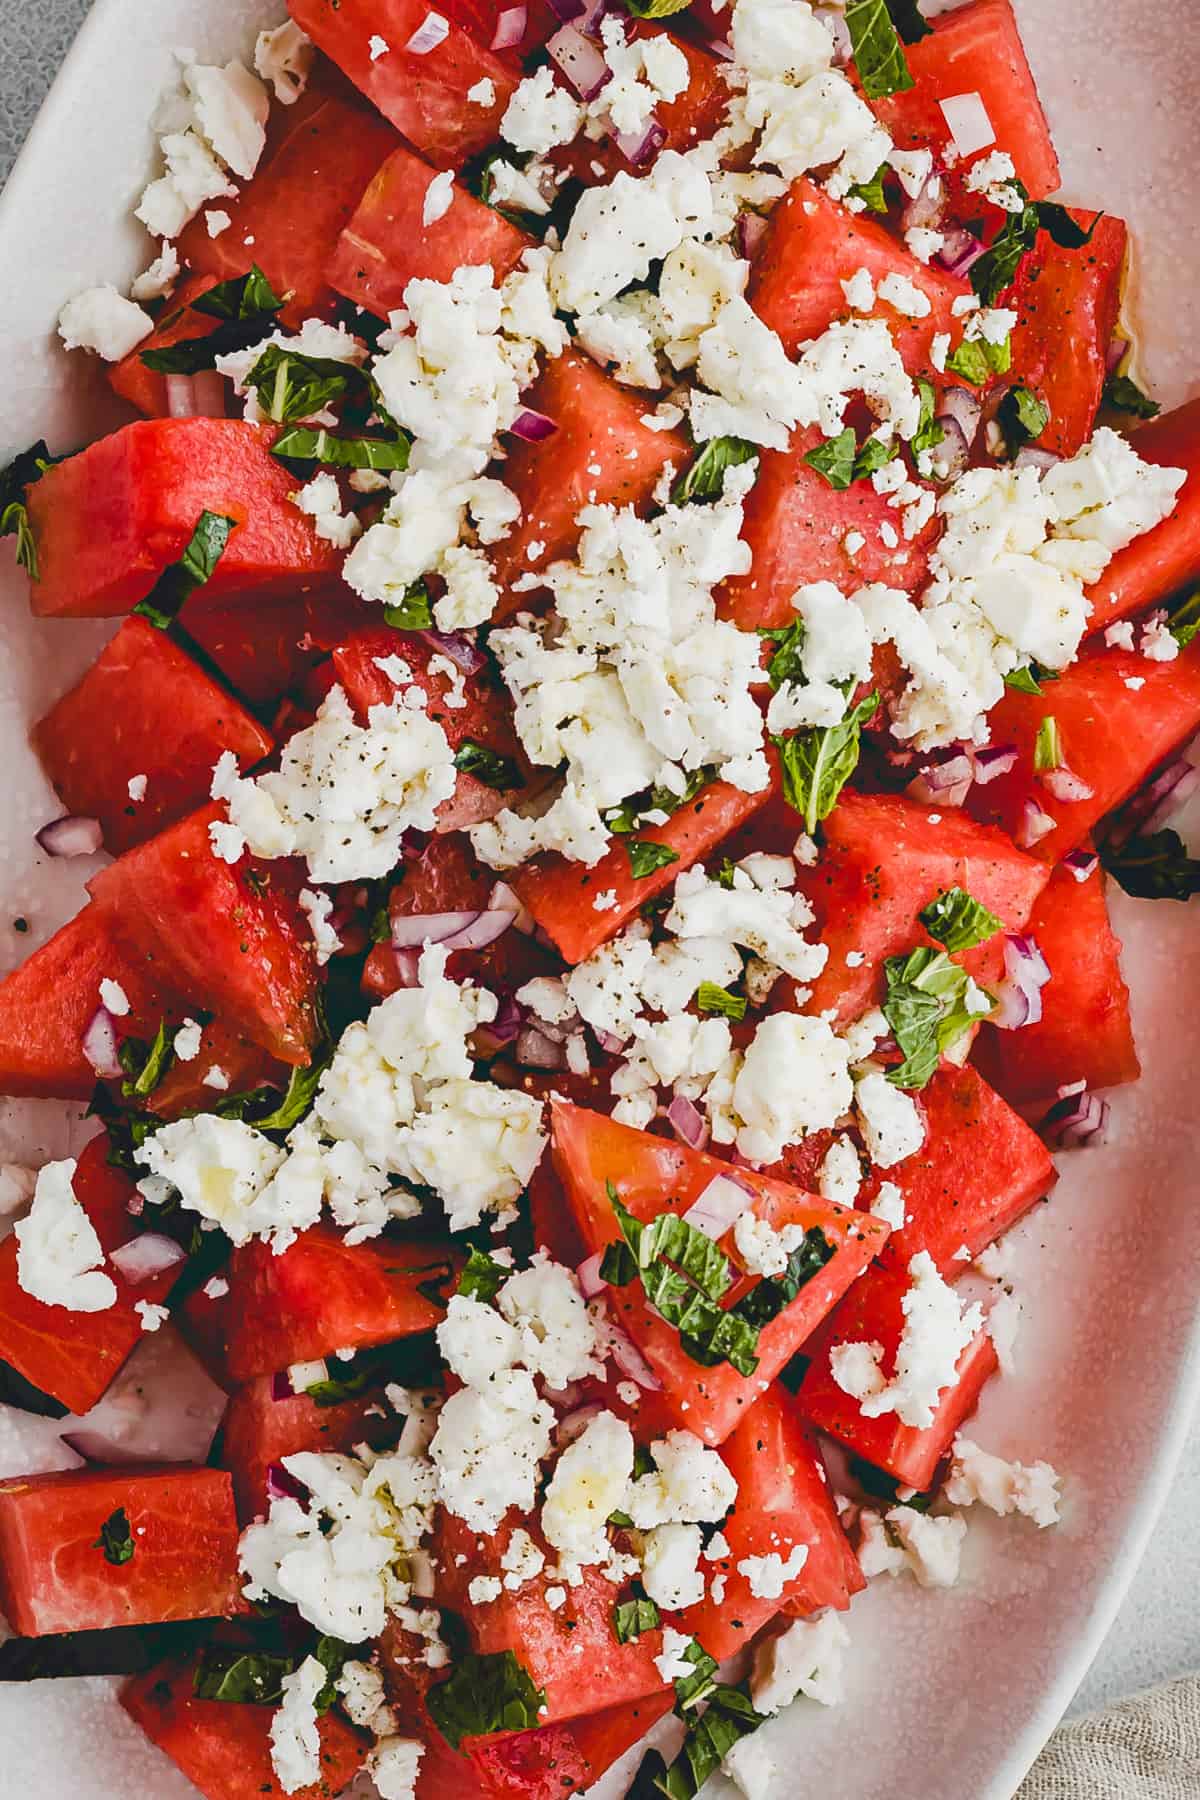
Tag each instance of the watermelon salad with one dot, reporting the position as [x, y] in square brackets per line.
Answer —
[652, 603]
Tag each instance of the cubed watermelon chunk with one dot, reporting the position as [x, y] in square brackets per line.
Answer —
[387, 243]
[266, 645]
[144, 709]
[884, 858]
[47, 1004]
[425, 95]
[108, 521]
[321, 153]
[1119, 715]
[323, 1294]
[975, 49]
[812, 245]
[557, 1759]
[651, 1175]
[244, 1064]
[601, 455]
[559, 893]
[74, 1356]
[1153, 566]
[797, 525]
[783, 1500]
[871, 1312]
[1067, 303]
[177, 323]
[573, 1652]
[1085, 1032]
[231, 938]
[224, 1747]
[56, 1573]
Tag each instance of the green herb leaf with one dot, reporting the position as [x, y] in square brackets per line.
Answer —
[705, 479]
[413, 613]
[928, 433]
[1124, 395]
[146, 1064]
[996, 269]
[1156, 867]
[728, 1717]
[977, 361]
[691, 1690]
[632, 1617]
[711, 998]
[958, 921]
[1058, 224]
[656, 9]
[834, 459]
[290, 386]
[877, 50]
[1185, 619]
[204, 551]
[767, 1299]
[243, 1677]
[302, 444]
[116, 1539]
[15, 481]
[908, 20]
[871, 193]
[1021, 417]
[818, 762]
[1047, 746]
[684, 1276]
[725, 874]
[333, 1655]
[637, 810]
[646, 857]
[786, 662]
[249, 296]
[482, 1277]
[246, 307]
[297, 1101]
[927, 1011]
[484, 1694]
[1030, 678]
[488, 766]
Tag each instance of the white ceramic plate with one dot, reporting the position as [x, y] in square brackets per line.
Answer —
[950, 1695]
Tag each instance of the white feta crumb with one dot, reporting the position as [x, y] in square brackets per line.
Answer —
[439, 197]
[188, 1040]
[1005, 1487]
[152, 1316]
[103, 321]
[136, 788]
[59, 1256]
[806, 1658]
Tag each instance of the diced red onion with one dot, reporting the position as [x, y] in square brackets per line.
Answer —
[1115, 354]
[589, 1278]
[422, 1574]
[72, 835]
[719, 1207]
[1034, 826]
[1068, 1088]
[638, 147]
[594, 14]
[1065, 785]
[1033, 456]
[1081, 863]
[504, 899]
[181, 397]
[943, 784]
[968, 122]
[1079, 1120]
[456, 931]
[965, 409]
[458, 648]
[924, 211]
[609, 1042]
[135, 1206]
[211, 391]
[432, 31]
[283, 1485]
[536, 1051]
[99, 1045]
[1019, 995]
[1158, 801]
[751, 230]
[951, 456]
[533, 427]
[508, 1021]
[573, 1424]
[510, 27]
[104, 1452]
[687, 1122]
[580, 61]
[146, 1256]
[630, 1360]
[960, 250]
[557, 1030]
[281, 1386]
[994, 760]
[835, 24]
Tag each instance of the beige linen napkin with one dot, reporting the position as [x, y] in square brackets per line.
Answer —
[1144, 1748]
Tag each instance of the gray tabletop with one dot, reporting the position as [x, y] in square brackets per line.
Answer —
[1156, 1634]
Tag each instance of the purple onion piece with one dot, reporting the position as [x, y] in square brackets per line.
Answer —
[1035, 825]
[1032, 456]
[994, 760]
[458, 648]
[925, 210]
[103, 1452]
[589, 1278]
[72, 835]
[282, 1485]
[751, 230]
[568, 11]
[1081, 863]
[640, 147]
[510, 27]
[536, 1051]
[100, 1045]
[960, 250]
[687, 1122]
[581, 62]
[1079, 1121]
[146, 1256]
[1019, 995]
[533, 427]
[965, 408]
[1115, 355]
[1065, 785]
[432, 31]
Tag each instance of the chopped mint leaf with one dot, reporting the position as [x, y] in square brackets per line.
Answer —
[1023, 680]
[728, 1717]
[1047, 747]
[928, 433]
[711, 998]
[646, 857]
[15, 481]
[834, 459]
[482, 1277]
[195, 567]
[877, 50]
[1185, 619]
[705, 479]
[957, 921]
[146, 1064]
[1058, 224]
[692, 1690]
[487, 766]
[291, 386]
[871, 193]
[908, 20]
[241, 1677]
[247, 296]
[632, 1617]
[818, 762]
[1156, 867]
[116, 1539]
[485, 1694]
[977, 361]
[1124, 395]
[656, 9]
[997, 267]
[768, 1298]
[725, 874]
[927, 1011]
[246, 307]
[413, 612]
[297, 1102]
[1022, 416]
[684, 1276]
[785, 663]
[301, 444]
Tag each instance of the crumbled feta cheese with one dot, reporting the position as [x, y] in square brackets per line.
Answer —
[217, 221]
[344, 794]
[1004, 1323]
[688, 1485]
[231, 108]
[860, 291]
[893, 1126]
[439, 197]
[152, 1316]
[618, 230]
[769, 1575]
[937, 1329]
[114, 998]
[59, 1256]
[378, 47]
[193, 176]
[670, 1572]
[284, 57]
[364, 1697]
[295, 1734]
[590, 1481]
[750, 1766]
[925, 244]
[794, 1079]
[317, 908]
[555, 1333]
[488, 1448]
[103, 321]
[1006, 1487]
[225, 1170]
[835, 651]
[541, 114]
[766, 921]
[483, 93]
[136, 788]
[159, 278]
[393, 1766]
[477, 1145]
[321, 501]
[761, 1249]
[994, 177]
[840, 1174]
[907, 298]
[483, 1589]
[522, 1560]
[672, 1664]
[806, 1658]
[888, 1205]
[216, 1078]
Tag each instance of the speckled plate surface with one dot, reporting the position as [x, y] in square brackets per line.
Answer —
[950, 1695]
